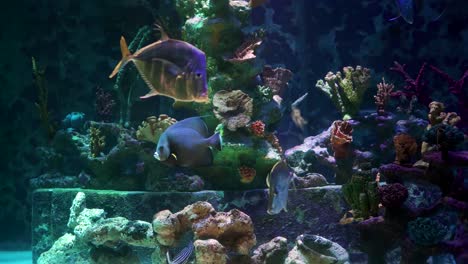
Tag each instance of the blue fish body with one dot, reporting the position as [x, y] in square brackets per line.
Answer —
[187, 144]
[406, 8]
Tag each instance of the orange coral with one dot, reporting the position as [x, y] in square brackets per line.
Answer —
[341, 138]
[405, 148]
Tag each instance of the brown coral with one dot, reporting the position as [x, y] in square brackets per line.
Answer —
[151, 129]
[384, 91]
[405, 148]
[233, 229]
[232, 108]
[341, 138]
[277, 79]
[96, 141]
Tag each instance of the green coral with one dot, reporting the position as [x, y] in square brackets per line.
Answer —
[361, 193]
[346, 89]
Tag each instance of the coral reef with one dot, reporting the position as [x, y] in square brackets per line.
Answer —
[95, 238]
[74, 120]
[272, 252]
[361, 193]
[341, 139]
[97, 142]
[247, 174]
[276, 79]
[210, 251]
[104, 104]
[316, 249]
[234, 229]
[384, 91]
[246, 51]
[151, 129]
[346, 89]
[257, 128]
[393, 195]
[445, 137]
[405, 148]
[232, 108]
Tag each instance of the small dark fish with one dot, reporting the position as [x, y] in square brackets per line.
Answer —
[169, 67]
[187, 144]
[183, 256]
[278, 187]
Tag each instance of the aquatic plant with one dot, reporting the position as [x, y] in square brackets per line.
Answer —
[361, 193]
[97, 142]
[384, 91]
[43, 100]
[346, 89]
[128, 76]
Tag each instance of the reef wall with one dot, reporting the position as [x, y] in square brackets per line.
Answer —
[315, 210]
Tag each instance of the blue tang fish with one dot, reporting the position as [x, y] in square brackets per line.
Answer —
[169, 67]
[187, 143]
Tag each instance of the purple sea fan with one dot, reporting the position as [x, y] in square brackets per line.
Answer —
[393, 195]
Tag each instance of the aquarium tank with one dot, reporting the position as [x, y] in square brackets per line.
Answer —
[234, 132]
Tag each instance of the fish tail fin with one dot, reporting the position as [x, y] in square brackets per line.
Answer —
[215, 141]
[126, 56]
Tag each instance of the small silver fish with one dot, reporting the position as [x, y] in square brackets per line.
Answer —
[183, 256]
[187, 143]
[278, 187]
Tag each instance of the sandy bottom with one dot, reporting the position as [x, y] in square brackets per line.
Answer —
[15, 257]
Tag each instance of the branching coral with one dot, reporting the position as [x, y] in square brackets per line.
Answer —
[232, 108]
[346, 89]
[43, 97]
[384, 91]
[151, 129]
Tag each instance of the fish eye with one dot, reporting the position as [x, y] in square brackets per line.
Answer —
[198, 75]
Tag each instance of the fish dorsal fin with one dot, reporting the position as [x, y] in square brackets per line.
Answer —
[159, 28]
